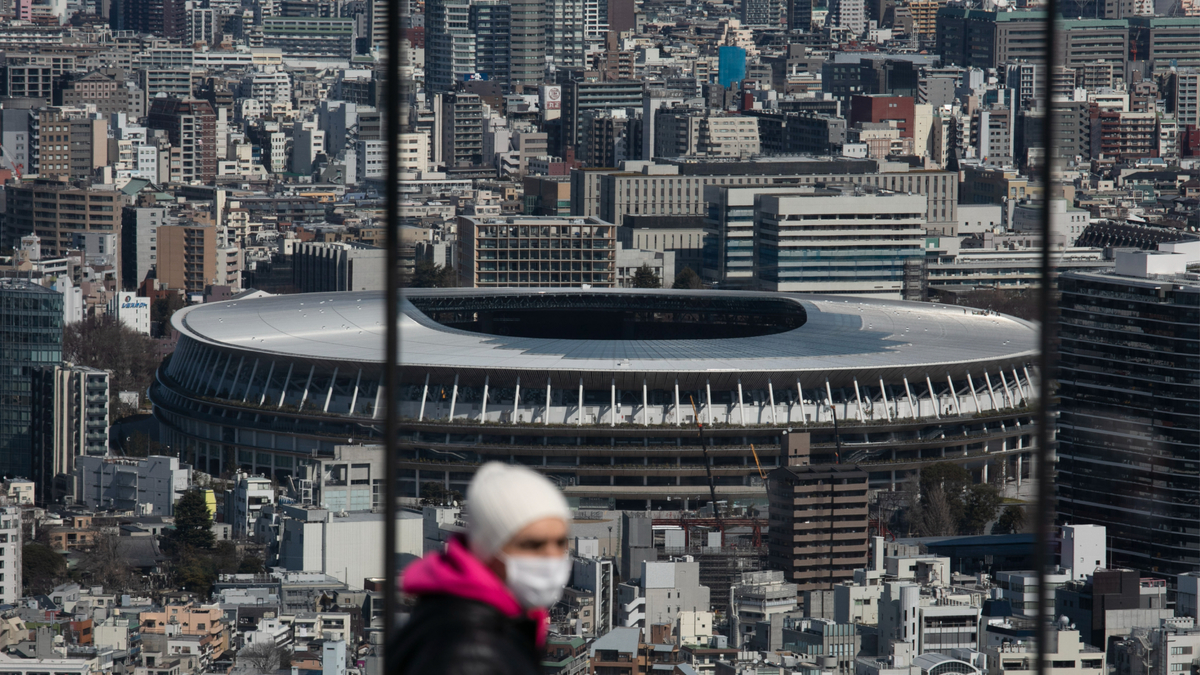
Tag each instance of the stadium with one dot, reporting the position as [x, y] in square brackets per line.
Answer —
[602, 389]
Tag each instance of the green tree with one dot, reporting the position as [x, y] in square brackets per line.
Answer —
[251, 565]
[193, 522]
[951, 503]
[42, 568]
[195, 571]
[105, 343]
[162, 309]
[951, 478]
[428, 275]
[981, 503]
[934, 516]
[646, 278]
[687, 279]
[436, 494]
[1012, 521]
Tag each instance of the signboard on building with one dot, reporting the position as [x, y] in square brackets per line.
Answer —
[132, 310]
[551, 98]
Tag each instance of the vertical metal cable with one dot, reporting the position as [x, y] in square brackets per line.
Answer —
[391, 116]
[1044, 510]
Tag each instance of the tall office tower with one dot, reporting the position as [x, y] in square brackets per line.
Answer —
[489, 21]
[70, 419]
[191, 127]
[449, 44]
[527, 44]
[566, 33]
[799, 15]
[622, 15]
[31, 320]
[1183, 97]
[377, 20]
[1129, 401]
[595, 20]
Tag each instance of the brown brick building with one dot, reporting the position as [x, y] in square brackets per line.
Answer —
[818, 517]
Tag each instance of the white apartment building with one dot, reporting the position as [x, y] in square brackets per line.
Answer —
[934, 622]
[307, 142]
[371, 157]
[757, 597]
[245, 502]
[10, 554]
[414, 152]
[664, 590]
[1021, 590]
[705, 133]
[268, 85]
[1084, 549]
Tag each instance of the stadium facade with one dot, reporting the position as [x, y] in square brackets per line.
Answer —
[601, 388]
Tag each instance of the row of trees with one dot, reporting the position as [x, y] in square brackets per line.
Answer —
[103, 342]
[950, 503]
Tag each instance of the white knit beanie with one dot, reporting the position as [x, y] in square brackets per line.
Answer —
[502, 499]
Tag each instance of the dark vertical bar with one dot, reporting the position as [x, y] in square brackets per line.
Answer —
[1044, 511]
[391, 116]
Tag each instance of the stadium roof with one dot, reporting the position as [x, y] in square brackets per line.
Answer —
[867, 336]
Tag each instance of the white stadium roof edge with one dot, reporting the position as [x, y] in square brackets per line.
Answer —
[842, 338]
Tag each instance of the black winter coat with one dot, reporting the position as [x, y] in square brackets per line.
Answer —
[449, 635]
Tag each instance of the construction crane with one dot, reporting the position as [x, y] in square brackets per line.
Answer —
[11, 162]
[712, 485]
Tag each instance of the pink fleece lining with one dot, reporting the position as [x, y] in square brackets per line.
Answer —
[456, 572]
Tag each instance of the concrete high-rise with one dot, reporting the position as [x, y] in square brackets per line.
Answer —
[527, 44]
[462, 130]
[1130, 397]
[187, 257]
[71, 143]
[565, 33]
[70, 420]
[191, 127]
[449, 44]
[818, 513]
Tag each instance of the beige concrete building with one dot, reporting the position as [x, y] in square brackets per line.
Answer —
[536, 251]
[187, 257]
[72, 142]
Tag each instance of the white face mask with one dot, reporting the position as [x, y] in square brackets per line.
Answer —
[536, 581]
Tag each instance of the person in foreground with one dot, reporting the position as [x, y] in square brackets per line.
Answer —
[482, 603]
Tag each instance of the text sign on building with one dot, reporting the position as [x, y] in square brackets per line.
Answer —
[551, 98]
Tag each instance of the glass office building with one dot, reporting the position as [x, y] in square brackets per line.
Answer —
[31, 329]
[1129, 379]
